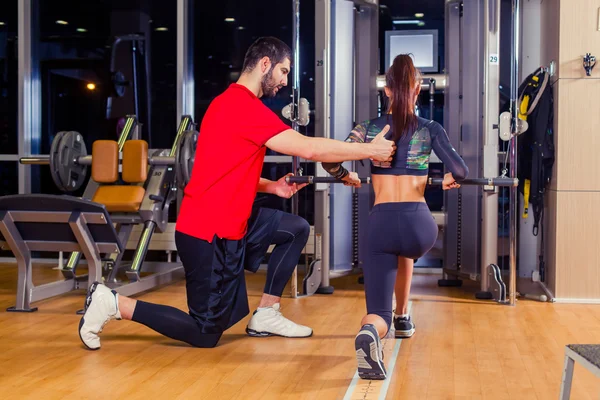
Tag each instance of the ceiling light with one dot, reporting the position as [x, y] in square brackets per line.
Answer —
[2, 23]
[161, 29]
[421, 24]
[229, 19]
[61, 22]
[91, 86]
[241, 28]
[81, 30]
[406, 22]
[419, 15]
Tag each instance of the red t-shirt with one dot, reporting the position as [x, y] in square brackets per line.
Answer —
[229, 159]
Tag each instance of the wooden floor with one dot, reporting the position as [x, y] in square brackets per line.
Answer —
[462, 349]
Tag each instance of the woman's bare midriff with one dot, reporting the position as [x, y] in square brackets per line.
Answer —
[394, 189]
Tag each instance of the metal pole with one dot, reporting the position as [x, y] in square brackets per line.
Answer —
[296, 87]
[136, 99]
[147, 89]
[489, 227]
[514, 89]
[142, 247]
[185, 67]
[29, 92]
[295, 103]
[185, 60]
[322, 129]
[431, 97]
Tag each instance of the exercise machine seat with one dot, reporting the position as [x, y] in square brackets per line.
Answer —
[120, 198]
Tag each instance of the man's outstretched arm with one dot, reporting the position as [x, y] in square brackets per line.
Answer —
[327, 150]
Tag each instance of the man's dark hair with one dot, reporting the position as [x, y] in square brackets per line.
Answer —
[271, 47]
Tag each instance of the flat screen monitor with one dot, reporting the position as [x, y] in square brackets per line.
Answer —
[422, 45]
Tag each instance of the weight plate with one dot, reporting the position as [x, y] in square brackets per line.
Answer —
[185, 156]
[70, 148]
[54, 166]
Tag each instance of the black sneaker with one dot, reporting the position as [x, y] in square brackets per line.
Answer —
[404, 327]
[369, 353]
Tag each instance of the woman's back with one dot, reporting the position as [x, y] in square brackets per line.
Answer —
[405, 177]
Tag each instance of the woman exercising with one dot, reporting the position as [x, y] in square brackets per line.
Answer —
[400, 227]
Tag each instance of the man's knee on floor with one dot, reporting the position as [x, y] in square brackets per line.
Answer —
[206, 340]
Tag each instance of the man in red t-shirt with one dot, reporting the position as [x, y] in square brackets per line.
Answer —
[217, 234]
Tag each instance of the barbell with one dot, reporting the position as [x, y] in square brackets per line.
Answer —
[501, 181]
[319, 179]
[69, 160]
[431, 181]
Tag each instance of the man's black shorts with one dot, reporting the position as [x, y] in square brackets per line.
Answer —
[214, 272]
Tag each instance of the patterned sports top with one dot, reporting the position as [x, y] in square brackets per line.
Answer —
[413, 149]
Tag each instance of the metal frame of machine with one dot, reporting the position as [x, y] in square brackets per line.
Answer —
[470, 119]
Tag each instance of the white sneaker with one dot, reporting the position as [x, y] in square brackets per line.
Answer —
[269, 321]
[101, 305]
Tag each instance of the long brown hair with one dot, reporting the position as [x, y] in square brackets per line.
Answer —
[403, 80]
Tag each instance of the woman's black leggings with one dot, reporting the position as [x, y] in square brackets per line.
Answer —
[394, 230]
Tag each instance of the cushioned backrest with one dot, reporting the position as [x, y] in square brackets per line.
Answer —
[105, 161]
[135, 161]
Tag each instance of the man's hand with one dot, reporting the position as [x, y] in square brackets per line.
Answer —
[285, 190]
[352, 179]
[384, 149]
[449, 182]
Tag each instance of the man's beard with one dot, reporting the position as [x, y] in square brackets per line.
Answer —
[268, 86]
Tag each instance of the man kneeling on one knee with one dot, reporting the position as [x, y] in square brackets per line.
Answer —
[217, 234]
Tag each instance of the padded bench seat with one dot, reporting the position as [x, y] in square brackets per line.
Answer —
[120, 198]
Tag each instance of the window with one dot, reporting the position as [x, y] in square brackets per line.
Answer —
[100, 61]
[218, 63]
[8, 78]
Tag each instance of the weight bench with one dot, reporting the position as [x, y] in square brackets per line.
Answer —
[38, 222]
[588, 355]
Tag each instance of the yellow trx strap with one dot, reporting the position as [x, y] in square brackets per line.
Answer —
[526, 197]
[523, 108]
